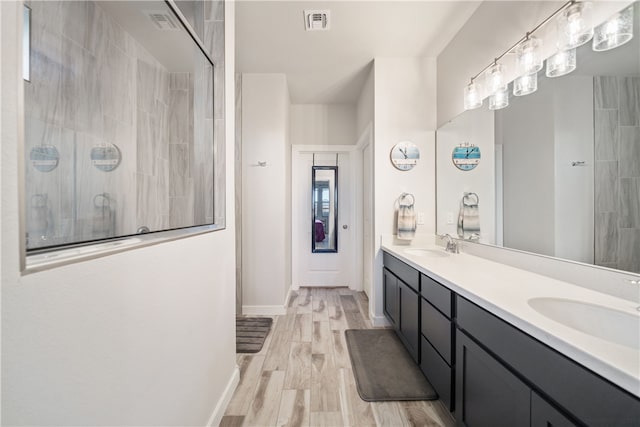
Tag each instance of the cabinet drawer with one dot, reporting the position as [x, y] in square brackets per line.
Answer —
[437, 329]
[437, 295]
[585, 395]
[437, 372]
[404, 272]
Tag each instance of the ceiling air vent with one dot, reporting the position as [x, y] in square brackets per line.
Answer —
[317, 20]
[163, 20]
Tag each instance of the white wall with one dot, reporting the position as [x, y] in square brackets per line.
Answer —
[548, 203]
[574, 185]
[525, 130]
[405, 108]
[365, 106]
[475, 127]
[144, 337]
[266, 193]
[323, 124]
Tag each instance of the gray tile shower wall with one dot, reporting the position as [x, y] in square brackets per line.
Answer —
[617, 170]
[93, 84]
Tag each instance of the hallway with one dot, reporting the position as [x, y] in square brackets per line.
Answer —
[303, 376]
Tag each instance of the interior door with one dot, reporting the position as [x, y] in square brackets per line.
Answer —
[321, 268]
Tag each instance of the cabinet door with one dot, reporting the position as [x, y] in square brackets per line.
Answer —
[545, 415]
[391, 305]
[487, 393]
[409, 320]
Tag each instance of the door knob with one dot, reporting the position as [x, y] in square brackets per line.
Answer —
[345, 226]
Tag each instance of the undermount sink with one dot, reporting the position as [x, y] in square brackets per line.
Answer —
[434, 253]
[603, 322]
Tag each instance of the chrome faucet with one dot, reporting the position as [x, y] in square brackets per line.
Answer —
[452, 245]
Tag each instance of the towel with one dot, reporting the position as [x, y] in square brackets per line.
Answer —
[406, 219]
[469, 217]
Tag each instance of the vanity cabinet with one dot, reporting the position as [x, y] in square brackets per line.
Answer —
[401, 285]
[495, 358]
[487, 371]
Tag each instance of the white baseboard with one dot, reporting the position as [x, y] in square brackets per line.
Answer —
[221, 406]
[265, 310]
[379, 321]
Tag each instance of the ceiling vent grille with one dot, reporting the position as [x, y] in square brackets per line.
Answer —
[317, 20]
[162, 20]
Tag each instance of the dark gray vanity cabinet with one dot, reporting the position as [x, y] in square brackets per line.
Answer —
[437, 329]
[492, 354]
[402, 302]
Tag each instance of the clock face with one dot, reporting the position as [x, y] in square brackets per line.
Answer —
[466, 156]
[405, 155]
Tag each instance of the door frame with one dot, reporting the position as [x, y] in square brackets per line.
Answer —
[365, 140]
[355, 216]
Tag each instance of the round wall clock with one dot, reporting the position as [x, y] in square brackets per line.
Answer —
[405, 155]
[466, 156]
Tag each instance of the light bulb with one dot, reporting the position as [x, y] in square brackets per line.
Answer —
[615, 32]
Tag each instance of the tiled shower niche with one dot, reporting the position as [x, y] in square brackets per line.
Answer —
[119, 123]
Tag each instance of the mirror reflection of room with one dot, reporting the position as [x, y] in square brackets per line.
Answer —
[324, 208]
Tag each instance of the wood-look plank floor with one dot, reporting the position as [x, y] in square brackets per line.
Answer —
[303, 376]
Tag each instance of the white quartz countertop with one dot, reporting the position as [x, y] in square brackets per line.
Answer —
[505, 291]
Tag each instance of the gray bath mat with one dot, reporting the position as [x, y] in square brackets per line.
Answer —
[251, 333]
[383, 368]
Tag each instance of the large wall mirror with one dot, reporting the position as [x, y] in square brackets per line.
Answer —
[560, 170]
[324, 209]
[119, 123]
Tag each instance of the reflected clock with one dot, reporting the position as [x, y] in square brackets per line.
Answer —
[405, 155]
[466, 156]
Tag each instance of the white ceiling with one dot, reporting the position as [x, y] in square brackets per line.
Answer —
[331, 67]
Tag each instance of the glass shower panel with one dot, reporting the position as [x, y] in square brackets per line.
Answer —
[118, 123]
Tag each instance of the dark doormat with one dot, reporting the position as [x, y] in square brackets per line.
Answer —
[383, 368]
[251, 333]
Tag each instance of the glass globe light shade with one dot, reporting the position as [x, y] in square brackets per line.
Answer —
[494, 79]
[528, 57]
[574, 26]
[561, 63]
[524, 85]
[499, 100]
[472, 96]
[615, 32]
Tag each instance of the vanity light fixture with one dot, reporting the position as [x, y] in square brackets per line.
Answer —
[499, 100]
[615, 32]
[574, 26]
[528, 57]
[561, 63]
[524, 85]
[472, 96]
